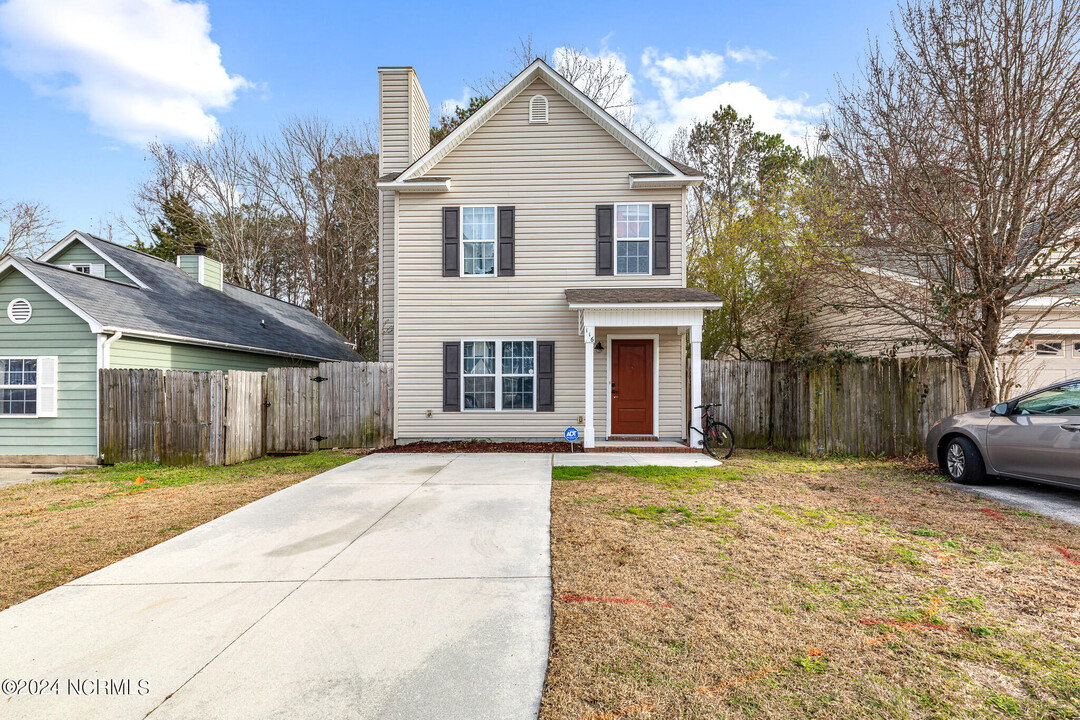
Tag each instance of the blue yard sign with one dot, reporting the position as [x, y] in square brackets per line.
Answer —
[570, 434]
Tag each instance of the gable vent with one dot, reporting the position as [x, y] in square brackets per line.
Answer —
[19, 311]
[538, 109]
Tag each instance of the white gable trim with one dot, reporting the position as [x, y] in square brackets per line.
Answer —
[76, 235]
[538, 70]
[11, 262]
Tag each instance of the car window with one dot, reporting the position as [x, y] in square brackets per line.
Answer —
[1064, 400]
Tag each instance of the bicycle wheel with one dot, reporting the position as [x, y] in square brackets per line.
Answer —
[692, 433]
[719, 440]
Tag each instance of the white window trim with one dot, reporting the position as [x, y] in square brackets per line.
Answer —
[76, 266]
[615, 237]
[461, 243]
[656, 379]
[36, 387]
[1060, 353]
[498, 375]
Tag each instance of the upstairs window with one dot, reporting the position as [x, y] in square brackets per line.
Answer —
[538, 109]
[633, 239]
[478, 240]
[83, 268]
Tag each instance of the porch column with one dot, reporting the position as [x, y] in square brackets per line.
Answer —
[695, 383]
[589, 439]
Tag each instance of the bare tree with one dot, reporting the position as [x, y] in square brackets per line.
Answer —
[26, 227]
[960, 151]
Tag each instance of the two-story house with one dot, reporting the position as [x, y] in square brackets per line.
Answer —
[533, 270]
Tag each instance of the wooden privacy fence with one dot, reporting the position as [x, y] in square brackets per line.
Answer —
[874, 407]
[210, 418]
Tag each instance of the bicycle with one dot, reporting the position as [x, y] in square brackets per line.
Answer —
[717, 439]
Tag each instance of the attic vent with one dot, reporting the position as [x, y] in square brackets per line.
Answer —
[538, 109]
[19, 311]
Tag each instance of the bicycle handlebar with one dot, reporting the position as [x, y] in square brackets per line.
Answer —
[708, 405]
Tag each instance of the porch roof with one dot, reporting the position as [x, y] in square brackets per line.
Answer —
[581, 298]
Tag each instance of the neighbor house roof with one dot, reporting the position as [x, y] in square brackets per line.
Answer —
[174, 306]
[640, 295]
[664, 168]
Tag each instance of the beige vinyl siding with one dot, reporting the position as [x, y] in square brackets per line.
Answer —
[393, 119]
[419, 120]
[130, 352]
[554, 174]
[76, 252]
[386, 275]
[51, 330]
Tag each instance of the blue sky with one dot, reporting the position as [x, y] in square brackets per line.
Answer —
[84, 83]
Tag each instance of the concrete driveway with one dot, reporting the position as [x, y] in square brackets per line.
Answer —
[1056, 502]
[397, 586]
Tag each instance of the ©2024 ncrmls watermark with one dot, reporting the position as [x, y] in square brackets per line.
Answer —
[105, 687]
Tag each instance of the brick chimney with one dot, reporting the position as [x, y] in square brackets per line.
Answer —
[403, 119]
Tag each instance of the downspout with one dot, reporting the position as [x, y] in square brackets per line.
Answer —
[106, 357]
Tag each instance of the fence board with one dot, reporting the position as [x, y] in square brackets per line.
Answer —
[207, 418]
[245, 416]
[878, 407]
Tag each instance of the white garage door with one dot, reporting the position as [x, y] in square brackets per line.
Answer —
[1049, 360]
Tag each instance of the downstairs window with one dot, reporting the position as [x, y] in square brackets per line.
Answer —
[498, 375]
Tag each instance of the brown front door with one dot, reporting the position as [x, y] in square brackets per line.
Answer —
[631, 387]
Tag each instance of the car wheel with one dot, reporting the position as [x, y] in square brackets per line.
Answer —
[963, 462]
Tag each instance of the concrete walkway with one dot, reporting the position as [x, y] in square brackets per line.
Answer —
[397, 586]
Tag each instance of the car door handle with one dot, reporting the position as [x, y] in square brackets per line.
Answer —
[1071, 427]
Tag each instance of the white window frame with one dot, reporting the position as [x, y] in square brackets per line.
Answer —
[498, 375]
[615, 237]
[36, 387]
[461, 242]
[77, 267]
[1059, 353]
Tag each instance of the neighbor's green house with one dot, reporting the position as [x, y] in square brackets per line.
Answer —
[88, 303]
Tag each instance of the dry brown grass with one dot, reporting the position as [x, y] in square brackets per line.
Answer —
[799, 588]
[53, 531]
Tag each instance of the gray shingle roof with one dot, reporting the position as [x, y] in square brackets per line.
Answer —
[175, 304]
[605, 296]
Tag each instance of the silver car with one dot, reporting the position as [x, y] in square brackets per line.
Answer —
[1033, 437]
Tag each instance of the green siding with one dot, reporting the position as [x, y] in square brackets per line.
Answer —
[212, 274]
[190, 265]
[139, 353]
[76, 252]
[52, 330]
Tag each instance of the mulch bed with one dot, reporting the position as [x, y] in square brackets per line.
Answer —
[477, 446]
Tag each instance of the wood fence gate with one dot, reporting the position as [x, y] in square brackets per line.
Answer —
[334, 405]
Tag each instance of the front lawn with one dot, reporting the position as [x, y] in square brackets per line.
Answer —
[780, 587]
[53, 531]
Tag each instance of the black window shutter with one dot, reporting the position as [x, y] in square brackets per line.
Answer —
[451, 377]
[605, 239]
[450, 252]
[545, 376]
[506, 241]
[661, 234]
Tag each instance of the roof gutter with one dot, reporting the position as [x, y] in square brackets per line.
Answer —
[106, 348]
[715, 305]
[664, 181]
[442, 185]
[146, 334]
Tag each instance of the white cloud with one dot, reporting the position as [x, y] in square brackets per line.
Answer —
[745, 54]
[689, 92]
[446, 107]
[139, 69]
[673, 76]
